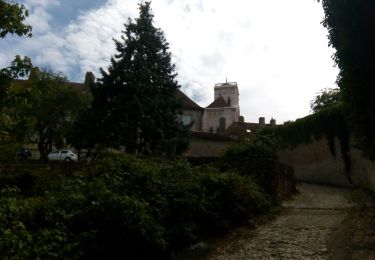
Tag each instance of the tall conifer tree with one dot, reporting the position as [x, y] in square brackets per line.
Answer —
[136, 97]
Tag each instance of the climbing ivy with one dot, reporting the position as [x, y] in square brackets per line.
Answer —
[350, 26]
[329, 122]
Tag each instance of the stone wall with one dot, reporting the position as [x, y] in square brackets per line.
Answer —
[211, 117]
[196, 118]
[314, 163]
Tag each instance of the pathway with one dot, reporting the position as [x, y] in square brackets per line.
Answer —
[301, 231]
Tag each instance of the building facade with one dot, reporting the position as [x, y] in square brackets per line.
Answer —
[217, 116]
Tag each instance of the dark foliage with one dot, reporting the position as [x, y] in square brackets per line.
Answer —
[135, 103]
[256, 159]
[122, 207]
[12, 16]
[325, 99]
[351, 33]
[20, 67]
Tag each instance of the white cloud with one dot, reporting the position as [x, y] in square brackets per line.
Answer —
[3, 61]
[40, 17]
[89, 40]
[276, 50]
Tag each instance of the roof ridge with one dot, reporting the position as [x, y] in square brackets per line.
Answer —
[218, 103]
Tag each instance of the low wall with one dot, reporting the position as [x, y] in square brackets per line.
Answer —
[206, 148]
[314, 163]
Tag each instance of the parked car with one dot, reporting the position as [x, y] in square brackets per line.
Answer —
[62, 155]
[24, 154]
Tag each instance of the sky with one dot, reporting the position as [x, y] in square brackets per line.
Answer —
[276, 51]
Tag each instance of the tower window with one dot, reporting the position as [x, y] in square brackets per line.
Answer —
[228, 101]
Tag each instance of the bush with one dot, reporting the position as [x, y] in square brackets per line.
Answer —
[257, 160]
[129, 207]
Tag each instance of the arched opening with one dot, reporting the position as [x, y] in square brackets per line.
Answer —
[222, 124]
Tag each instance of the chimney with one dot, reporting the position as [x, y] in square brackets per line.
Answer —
[273, 122]
[262, 121]
[89, 78]
[34, 73]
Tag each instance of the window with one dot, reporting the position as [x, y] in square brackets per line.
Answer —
[221, 124]
[186, 120]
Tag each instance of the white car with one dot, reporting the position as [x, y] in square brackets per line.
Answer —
[62, 155]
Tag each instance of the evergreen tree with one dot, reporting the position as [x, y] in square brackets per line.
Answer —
[136, 98]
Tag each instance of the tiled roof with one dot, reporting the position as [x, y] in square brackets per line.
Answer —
[72, 85]
[241, 130]
[219, 102]
[187, 103]
[210, 136]
[78, 86]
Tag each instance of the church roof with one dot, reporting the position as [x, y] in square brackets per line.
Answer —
[219, 102]
[187, 103]
[73, 85]
[210, 136]
[241, 128]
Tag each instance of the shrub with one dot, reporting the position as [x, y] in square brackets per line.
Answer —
[125, 206]
[255, 159]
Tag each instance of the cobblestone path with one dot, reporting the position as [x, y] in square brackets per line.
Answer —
[301, 231]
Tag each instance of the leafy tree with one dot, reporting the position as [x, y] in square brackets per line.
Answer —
[45, 107]
[85, 132]
[20, 67]
[135, 99]
[9, 139]
[351, 33]
[326, 98]
[12, 16]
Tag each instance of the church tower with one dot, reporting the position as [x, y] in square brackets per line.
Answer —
[229, 92]
[225, 109]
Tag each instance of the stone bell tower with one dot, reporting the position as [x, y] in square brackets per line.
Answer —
[229, 92]
[224, 110]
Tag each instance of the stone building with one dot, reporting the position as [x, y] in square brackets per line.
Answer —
[224, 110]
[218, 115]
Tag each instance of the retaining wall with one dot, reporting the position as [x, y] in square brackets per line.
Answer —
[315, 163]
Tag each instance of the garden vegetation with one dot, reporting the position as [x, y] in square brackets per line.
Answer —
[122, 206]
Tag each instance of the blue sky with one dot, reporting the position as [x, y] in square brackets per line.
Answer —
[69, 10]
[276, 50]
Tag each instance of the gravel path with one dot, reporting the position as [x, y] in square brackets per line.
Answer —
[301, 231]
